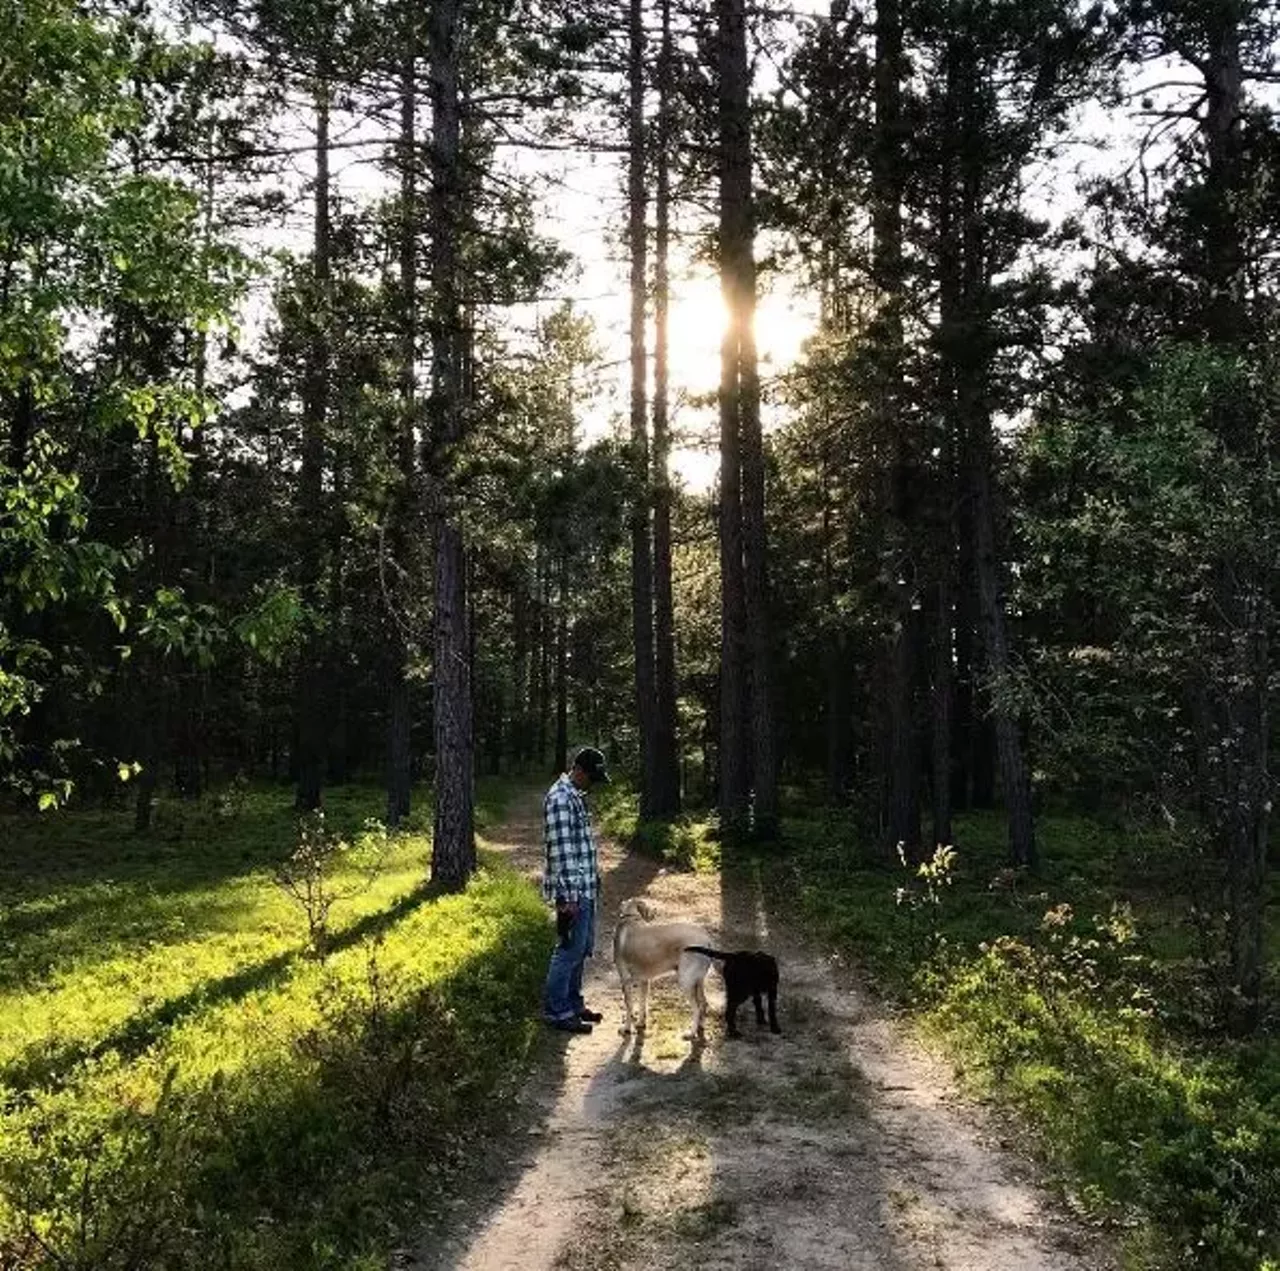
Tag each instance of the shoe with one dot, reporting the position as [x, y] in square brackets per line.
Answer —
[569, 1025]
[591, 1017]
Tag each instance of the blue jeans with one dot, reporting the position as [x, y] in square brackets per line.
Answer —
[562, 992]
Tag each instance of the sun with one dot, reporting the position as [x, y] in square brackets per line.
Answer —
[783, 322]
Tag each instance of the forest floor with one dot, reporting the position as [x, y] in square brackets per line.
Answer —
[840, 1144]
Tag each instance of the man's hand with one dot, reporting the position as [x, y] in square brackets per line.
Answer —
[566, 916]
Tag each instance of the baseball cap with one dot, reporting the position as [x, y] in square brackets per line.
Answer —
[591, 761]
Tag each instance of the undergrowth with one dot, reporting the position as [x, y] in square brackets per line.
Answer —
[687, 843]
[183, 1086]
[1079, 999]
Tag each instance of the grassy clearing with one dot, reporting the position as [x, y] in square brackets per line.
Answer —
[183, 1086]
[1079, 999]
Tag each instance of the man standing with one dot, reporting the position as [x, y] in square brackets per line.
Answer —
[571, 878]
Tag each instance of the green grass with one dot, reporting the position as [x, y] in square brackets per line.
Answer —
[183, 1085]
[1093, 1021]
[687, 843]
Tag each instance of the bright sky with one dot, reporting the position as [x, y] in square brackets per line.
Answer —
[584, 209]
[587, 214]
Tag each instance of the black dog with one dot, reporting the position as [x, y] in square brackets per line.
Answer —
[746, 975]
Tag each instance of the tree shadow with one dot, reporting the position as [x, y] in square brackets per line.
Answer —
[85, 887]
[40, 1065]
[499, 1166]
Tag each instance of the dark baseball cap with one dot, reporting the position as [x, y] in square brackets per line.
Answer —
[591, 761]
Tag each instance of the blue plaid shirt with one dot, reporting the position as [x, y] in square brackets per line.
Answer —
[572, 871]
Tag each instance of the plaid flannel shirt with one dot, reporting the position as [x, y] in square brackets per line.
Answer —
[571, 871]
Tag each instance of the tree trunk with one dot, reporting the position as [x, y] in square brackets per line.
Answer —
[736, 139]
[903, 784]
[641, 543]
[562, 669]
[520, 694]
[310, 705]
[453, 858]
[1238, 730]
[666, 736]
[399, 707]
[734, 235]
[542, 693]
[453, 855]
[949, 344]
[970, 364]
[1014, 778]
[942, 711]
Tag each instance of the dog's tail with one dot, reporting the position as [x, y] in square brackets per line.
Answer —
[709, 953]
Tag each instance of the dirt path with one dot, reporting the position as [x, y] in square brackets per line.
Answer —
[838, 1145]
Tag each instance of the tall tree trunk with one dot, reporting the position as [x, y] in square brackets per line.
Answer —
[641, 543]
[942, 701]
[734, 234]
[338, 745]
[310, 706]
[666, 735]
[453, 857]
[399, 702]
[972, 373]
[542, 663]
[903, 784]
[736, 192]
[1237, 730]
[150, 696]
[562, 667]
[949, 343]
[975, 735]
[521, 716]
[1014, 777]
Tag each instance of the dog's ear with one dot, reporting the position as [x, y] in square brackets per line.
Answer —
[647, 910]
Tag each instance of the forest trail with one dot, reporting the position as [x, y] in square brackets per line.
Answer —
[840, 1144]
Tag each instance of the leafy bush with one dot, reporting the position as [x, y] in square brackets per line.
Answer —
[685, 843]
[1061, 1008]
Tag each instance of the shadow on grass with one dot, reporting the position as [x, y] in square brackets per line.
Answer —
[313, 1162]
[40, 1066]
[81, 886]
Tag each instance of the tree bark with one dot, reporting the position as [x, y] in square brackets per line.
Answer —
[521, 716]
[1238, 729]
[903, 784]
[971, 368]
[666, 734]
[734, 760]
[1014, 777]
[641, 543]
[399, 705]
[748, 797]
[453, 858]
[942, 697]
[542, 660]
[562, 667]
[310, 703]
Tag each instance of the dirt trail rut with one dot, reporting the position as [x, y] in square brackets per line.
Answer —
[840, 1144]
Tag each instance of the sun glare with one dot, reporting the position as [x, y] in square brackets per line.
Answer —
[783, 322]
[698, 319]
